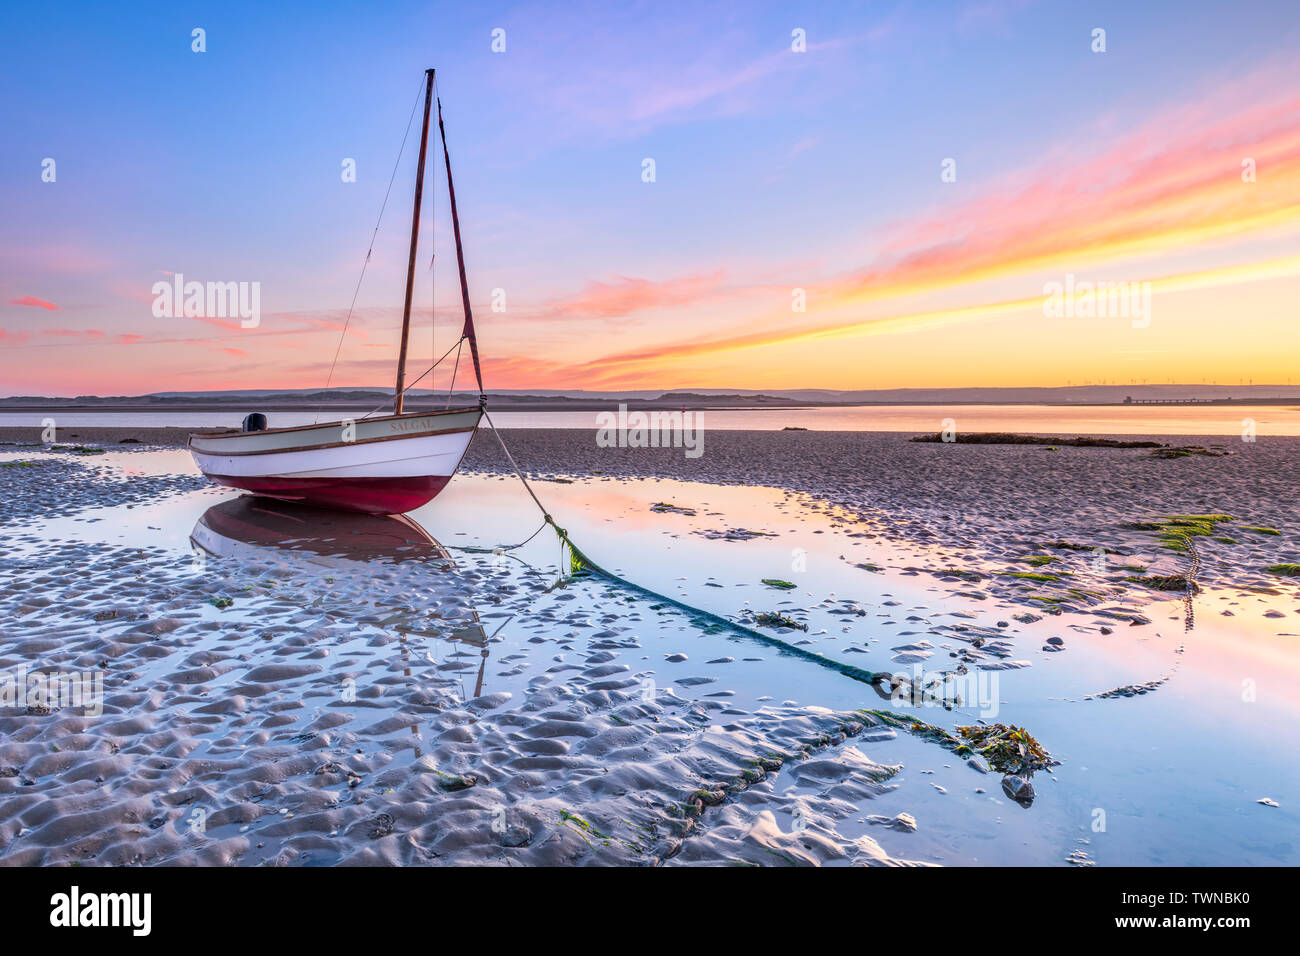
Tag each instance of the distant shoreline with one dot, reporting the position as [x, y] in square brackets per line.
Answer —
[599, 405]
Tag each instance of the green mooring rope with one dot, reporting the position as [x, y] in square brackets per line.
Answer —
[579, 562]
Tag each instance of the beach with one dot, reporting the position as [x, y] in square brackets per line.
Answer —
[994, 500]
[268, 698]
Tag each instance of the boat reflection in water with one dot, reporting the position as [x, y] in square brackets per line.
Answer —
[341, 543]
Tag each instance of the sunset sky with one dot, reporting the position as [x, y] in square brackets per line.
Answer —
[775, 170]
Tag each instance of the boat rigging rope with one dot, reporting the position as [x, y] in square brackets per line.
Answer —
[344, 331]
[454, 369]
[384, 404]
[580, 563]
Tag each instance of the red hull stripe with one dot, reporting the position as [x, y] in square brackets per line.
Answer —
[378, 496]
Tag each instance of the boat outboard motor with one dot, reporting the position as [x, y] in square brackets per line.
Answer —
[254, 422]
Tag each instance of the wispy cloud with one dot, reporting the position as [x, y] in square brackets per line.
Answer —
[1173, 185]
[625, 295]
[35, 303]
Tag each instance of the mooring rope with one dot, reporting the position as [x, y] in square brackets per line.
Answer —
[1189, 611]
[580, 563]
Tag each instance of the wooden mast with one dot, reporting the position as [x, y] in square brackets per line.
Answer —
[415, 236]
[468, 331]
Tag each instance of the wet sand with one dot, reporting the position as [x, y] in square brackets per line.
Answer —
[997, 502]
[269, 709]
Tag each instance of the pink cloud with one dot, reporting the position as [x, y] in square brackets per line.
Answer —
[73, 333]
[625, 295]
[35, 303]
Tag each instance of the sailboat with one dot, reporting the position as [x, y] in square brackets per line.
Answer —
[389, 464]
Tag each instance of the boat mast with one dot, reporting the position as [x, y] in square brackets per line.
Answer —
[415, 236]
[468, 331]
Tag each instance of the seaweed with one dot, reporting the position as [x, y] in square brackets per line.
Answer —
[776, 619]
[1165, 582]
[973, 576]
[1286, 570]
[581, 824]
[1006, 748]
[1007, 438]
[1034, 576]
[663, 507]
[1075, 546]
[452, 782]
[1187, 451]
[1175, 532]
[778, 583]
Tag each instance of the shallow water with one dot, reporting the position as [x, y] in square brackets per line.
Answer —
[1171, 776]
[1229, 420]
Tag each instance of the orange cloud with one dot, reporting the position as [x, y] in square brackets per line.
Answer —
[913, 320]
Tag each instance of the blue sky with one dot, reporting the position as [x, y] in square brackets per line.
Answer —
[773, 169]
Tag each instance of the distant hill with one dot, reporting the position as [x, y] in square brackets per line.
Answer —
[365, 398]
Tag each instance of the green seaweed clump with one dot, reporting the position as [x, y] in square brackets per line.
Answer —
[1007, 438]
[1187, 451]
[1175, 532]
[1165, 582]
[776, 619]
[1007, 749]
[1034, 576]
[1286, 570]
[581, 824]
[778, 583]
[452, 782]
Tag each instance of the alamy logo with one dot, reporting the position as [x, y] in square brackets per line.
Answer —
[651, 430]
[209, 300]
[947, 690]
[73, 909]
[56, 690]
[1101, 300]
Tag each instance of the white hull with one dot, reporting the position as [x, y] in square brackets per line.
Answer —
[382, 465]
